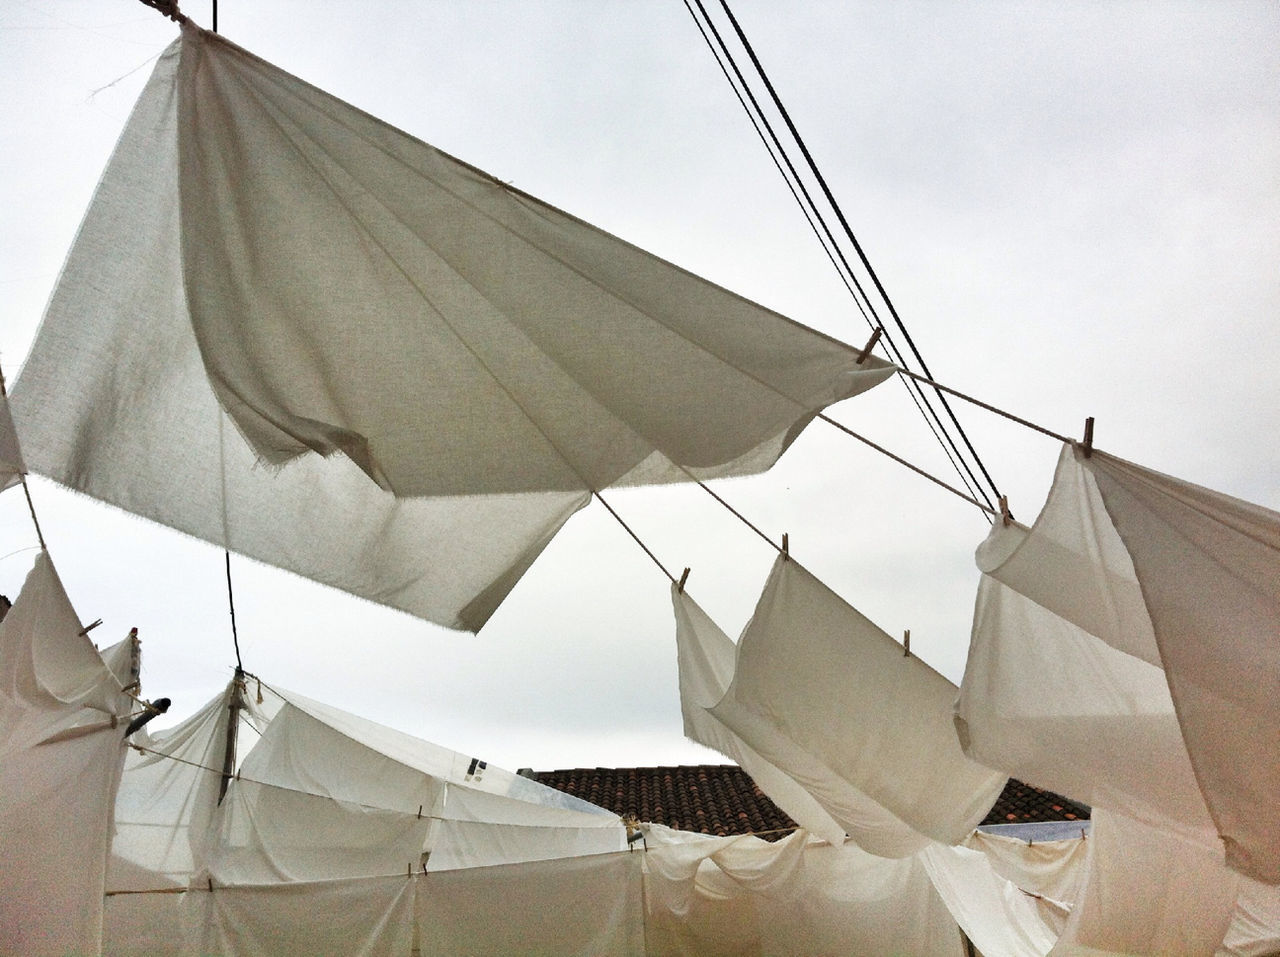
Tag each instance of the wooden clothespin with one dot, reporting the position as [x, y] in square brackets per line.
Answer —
[1087, 444]
[906, 643]
[684, 577]
[89, 628]
[1005, 517]
[786, 547]
[871, 344]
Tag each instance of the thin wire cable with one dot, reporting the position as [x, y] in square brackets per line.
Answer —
[826, 239]
[778, 165]
[231, 602]
[918, 396]
[821, 180]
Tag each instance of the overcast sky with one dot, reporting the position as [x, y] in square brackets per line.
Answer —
[1075, 207]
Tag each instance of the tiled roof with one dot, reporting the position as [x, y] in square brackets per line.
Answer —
[707, 798]
[720, 799]
[1023, 804]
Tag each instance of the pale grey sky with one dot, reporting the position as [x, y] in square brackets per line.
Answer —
[1075, 206]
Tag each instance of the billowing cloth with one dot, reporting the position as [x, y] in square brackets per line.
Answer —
[1255, 922]
[168, 796]
[1209, 567]
[62, 718]
[319, 802]
[818, 675]
[1052, 869]
[1149, 891]
[997, 916]
[1129, 586]
[741, 895]
[811, 794]
[12, 467]
[266, 273]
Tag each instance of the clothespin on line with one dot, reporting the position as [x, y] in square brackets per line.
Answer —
[786, 547]
[1087, 444]
[88, 628]
[1005, 516]
[871, 344]
[906, 643]
[683, 578]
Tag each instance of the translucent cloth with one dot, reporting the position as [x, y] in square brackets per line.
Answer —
[1053, 869]
[168, 798]
[811, 794]
[266, 272]
[11, 465]
[1129, 586]
[815, 673]
[348, 918]
[993, 912]
[61, 749]
[1209, 567]
[1149, 891]
[742, 895]
[572, 907]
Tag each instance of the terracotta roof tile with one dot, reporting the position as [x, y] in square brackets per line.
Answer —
[721, 799]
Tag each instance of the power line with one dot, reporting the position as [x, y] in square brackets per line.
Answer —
[829, 241]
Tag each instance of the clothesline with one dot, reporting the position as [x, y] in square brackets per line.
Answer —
[781, 547]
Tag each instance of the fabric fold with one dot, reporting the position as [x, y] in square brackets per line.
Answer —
[305, 336]
[814, 671]
[62, 717]
[1125, 653]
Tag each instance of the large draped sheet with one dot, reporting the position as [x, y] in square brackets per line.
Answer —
[1052, 869]
[995, 914]
[809, 792]
[742, 895]
[12, 468]
[168, 796]
[1149, 891]
[61, 750]
[1209, 567]
[301, 334]
[814, 672]
[1125, 653]
[571, 907]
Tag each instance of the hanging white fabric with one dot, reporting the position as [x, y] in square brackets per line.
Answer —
[62, 718]
[1052, 869]
[811, 794]
[1149, 891]
[570, 907]
[266, 273]
[813, 670]
[743, 895]
[1209, 567]
[12, 467]
[359, 918]
[1130, 585]
[996, 915]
